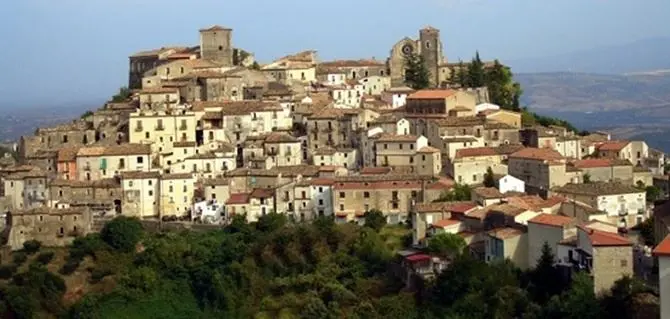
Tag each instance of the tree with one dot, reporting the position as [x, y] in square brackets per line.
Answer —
[476, 73]
[122, 96]
[579, 302]
[653, 193]
[417, 75]
[587, 178]
[86, 114]
[460, 192]
[545, 278]
[620, 301]
[271, 222]
[31, 246]
[503, 91]
[122, 233]
[461, 75]
[489, 179]
[255, 66]
[374, 219]
[453, 75]
[446, 245]
[646, 229]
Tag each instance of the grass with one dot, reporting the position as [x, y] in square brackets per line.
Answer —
[394, 236]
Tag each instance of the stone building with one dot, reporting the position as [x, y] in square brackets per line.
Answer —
[176, 194]
[141, 194]
[216, 44]
[161, 129]
[26, 189]
[52, 227]
[338, 71]
[100, 162]
[297, 68]
[331, 127]
[102, 196]
[429, 46]
[542, 169]
[77, 133]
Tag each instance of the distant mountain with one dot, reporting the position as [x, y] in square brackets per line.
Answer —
[642, 55]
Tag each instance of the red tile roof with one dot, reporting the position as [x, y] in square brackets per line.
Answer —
[545, 154]
[551, 220]
[505, 233]
[262, 193]
[417, 258]
[476, 151]
[602, 238]
[591, 163]
[238, 199]
[446, 223]
[431, 94]
[663, 249]
[375, 170]
[428, 149]
[322, 181]
[351, 185]
[612, 145]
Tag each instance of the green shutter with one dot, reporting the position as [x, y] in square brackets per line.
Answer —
[103, 163]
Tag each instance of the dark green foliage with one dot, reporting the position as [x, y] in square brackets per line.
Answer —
[476, 75]
[460, 192]
[374, 219]
[417, 75]
[86, 114]
[122, 233]
[503, 90]
[489, 179]
[545, 279]
[31, 246]
[19, 257]
[69, 267]
[530, 118]
[653, 193]
[99, 273]
[587, 178]
[646, 229]
[122, 96]
[45, 258]
[271, 222]
[446, 245]
[7, 271]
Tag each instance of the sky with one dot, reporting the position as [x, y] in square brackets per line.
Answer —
[76, 51]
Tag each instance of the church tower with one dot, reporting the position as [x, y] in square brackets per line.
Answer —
[216, 45]
[431, 50]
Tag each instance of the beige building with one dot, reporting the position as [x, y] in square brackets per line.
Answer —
[550, 229]
[513, 119]
[471, 164]
[52, 227]
[282, 149]
[176, 194]
[541, 169]
[375, 84]
[606, 256]
[391, 123]
[605, 170]
[331, 127]
[624, 205]
[100, 162]
[633, 151]
[507, 243]
[158, 98]
[141, 194]
[162, 129]
[26, 189]
[343, 157]
[456, 103]
[298, 68]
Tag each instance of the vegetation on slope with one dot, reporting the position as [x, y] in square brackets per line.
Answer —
[274, 269]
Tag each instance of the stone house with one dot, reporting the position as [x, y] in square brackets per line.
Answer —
[486, 196]
[141, 194]
[282, 149]
[176, 194]
[496, 134]
[510, 118]
[471, 164]
[77, 133]
[356, 69]
[99, 162]
[298, 68]
[158, 98]
[52, 227]
[624, 204]
[662, 253]
[541, 169]
[207, 165]
[633, 151]
[456, 103]
[328, 156]
[391, 123]
[162, 128]
[508, 243]
[605, 256]
[604, 169]
[428, 214]
[26, 189]
[66, 163]
[217, 189]
[375, 84]
[550, 229]
[451, 144]
[331, 127]
[396, 96]
[99, 197]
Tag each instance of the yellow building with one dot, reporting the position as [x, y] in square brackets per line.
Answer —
[542, 169]
[140, 194]
[100, 162]
[162, 128]
[176, 194]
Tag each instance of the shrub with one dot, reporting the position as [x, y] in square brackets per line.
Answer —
[99, 273]
[7, 271]
[32, 246]
[122, 233]
[69, 267]
[45, 258]
[19, 257]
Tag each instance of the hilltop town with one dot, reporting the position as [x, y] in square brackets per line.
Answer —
[205, 134]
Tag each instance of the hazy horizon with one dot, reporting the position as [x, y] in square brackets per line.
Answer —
[75, 51]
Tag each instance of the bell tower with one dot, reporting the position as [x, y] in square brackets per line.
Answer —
[216, 45]
[431, 50]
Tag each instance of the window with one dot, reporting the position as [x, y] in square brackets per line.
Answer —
[474, 178]
[130, 183]
[151, 193]
[423, 157]
[366, 194]
[400, 146]
[427, 44]
[140, 160]
[411, 146]
[386, 146]
[624, 263]
[303, 194]
[342, 195]
[147, 135]
[149, 182]
[320, 202]
[341, 206]
[320, 189]
[411, 159]
[170, 189]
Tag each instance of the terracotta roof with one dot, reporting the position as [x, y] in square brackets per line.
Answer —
[329, 113]
[428, 149]
[458, 139]
[600, 162]
[505, 233]
[375, 170]
[453, 121]
[446, 223]
[325, 151]
[139, 175]
[385, 137]
[598, 189]
[475, 152]
[159, 90]
[352, 63]
[417, 258]
[612, 145]
[177, 176]
[184, 144]
[431, 94]
[329, 168]
[602, 238]
[507, 149]
[552, 220]
[156, 52]
[534, 202]
[216, 181]
[544, 154]
[456, 207]
[262, 193]
[322, 181]
[276, 137]
[238, 199]
[488, 192]
[67, 154]
[91, 151]
[400, 89]
[663, 248]
[239, 107]
[127, 149]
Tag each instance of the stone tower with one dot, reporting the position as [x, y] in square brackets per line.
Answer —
[216, 45]
[431, 50]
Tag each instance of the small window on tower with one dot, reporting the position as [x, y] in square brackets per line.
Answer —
[220, 48]
[427, 44]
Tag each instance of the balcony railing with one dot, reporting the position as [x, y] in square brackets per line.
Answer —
[288, 153]
[327, 129]
[122, 166]
[139, 129]
[286, 198]
[183, 127]
[272, 152]
[160, 128]
[87, 167]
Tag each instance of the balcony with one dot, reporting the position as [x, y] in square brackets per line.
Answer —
[160, 127]
[139, 129]
[286, 198]
[183, 127]
[272, 152]
[237, 128]
[328, 129]
[122, 166]
[288, 153]
[87, 167]
[623, 213]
